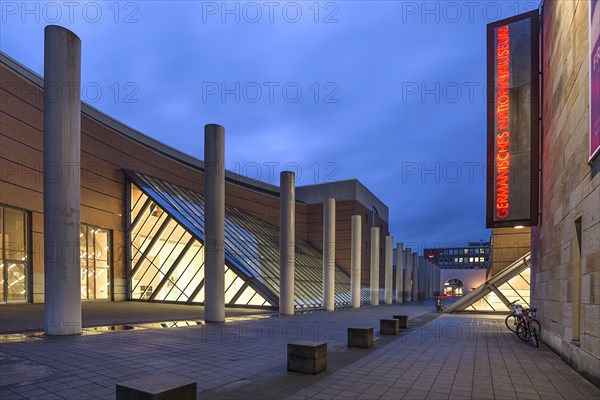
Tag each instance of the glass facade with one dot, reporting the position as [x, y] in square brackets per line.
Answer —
[95, 262]
[14, 250]
[517, 288]
[167, 252]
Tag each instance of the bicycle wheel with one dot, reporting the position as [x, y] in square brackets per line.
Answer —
[534, 337]
[511, 322]
[523, 332]
[534, 323]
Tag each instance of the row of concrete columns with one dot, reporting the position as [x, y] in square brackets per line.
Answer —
[415, 276]
[62, 137]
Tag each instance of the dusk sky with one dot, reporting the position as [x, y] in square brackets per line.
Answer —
[388, 92]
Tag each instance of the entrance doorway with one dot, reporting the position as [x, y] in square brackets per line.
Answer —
[453, 287]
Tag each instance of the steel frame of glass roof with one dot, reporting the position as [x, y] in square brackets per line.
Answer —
[251, 246]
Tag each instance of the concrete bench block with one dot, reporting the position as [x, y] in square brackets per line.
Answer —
[360, 337]
[157, 387]
[389, 326]
[307, 357]
[403, 321]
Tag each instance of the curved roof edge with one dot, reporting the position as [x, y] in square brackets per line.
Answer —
[138, 136]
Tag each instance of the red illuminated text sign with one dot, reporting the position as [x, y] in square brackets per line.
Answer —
[502, 159]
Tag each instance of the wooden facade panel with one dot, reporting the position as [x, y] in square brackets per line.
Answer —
[20, 197]
[14, 85]
[27, 134]
[21, 110]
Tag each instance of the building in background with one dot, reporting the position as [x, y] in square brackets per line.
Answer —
[476, 255]
[462, 269]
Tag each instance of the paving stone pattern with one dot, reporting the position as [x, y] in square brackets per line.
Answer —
[451, 356]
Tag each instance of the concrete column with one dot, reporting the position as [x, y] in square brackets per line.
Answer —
[389, 270]
[329, 254]
[287, 241]
[421, 277]
[374, 266]
[415, 277]
[62, 149]
[355, 258]
[437, 281]
[424, 278]
[433, 270]
[214, 224]
[430, 280]
[426, 271]
[399, 272]
[408, 276]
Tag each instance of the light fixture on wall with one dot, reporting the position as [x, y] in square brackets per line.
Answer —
[519, 227]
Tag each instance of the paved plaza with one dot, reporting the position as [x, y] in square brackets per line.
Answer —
[444, 356]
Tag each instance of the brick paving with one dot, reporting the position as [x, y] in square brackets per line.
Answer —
[451, 356]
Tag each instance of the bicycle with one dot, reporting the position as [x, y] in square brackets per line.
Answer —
[528, 329]
[513, 319]
[516, 316]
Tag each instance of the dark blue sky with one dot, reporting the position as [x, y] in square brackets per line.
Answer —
[388, 92]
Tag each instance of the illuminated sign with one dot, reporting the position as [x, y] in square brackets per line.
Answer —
[513, 125]
[594, 30]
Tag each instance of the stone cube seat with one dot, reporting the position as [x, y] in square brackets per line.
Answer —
[360, 337]
[307, 357]
[157, 387]
[389, 326]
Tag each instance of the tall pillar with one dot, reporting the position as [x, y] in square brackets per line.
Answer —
[355, 258]
[426, 282]
[399, 272]
[415, 284]
[214, 224]
[62, 149]
[408, 275]
[374, 266]
[388, 285]
[436, 284]
[329, 254]
[431, 279]
[424, 285]
[287, 241]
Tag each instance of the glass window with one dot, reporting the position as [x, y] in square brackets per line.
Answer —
[14, 251]
[168, 252]
[95, 249]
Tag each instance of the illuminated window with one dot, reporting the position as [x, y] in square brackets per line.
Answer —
[14, 254]
[95, 249]
[167, 253]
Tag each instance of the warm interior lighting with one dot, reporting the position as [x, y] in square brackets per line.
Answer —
[519, 227]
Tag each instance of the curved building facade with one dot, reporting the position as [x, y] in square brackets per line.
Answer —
[142, 216]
